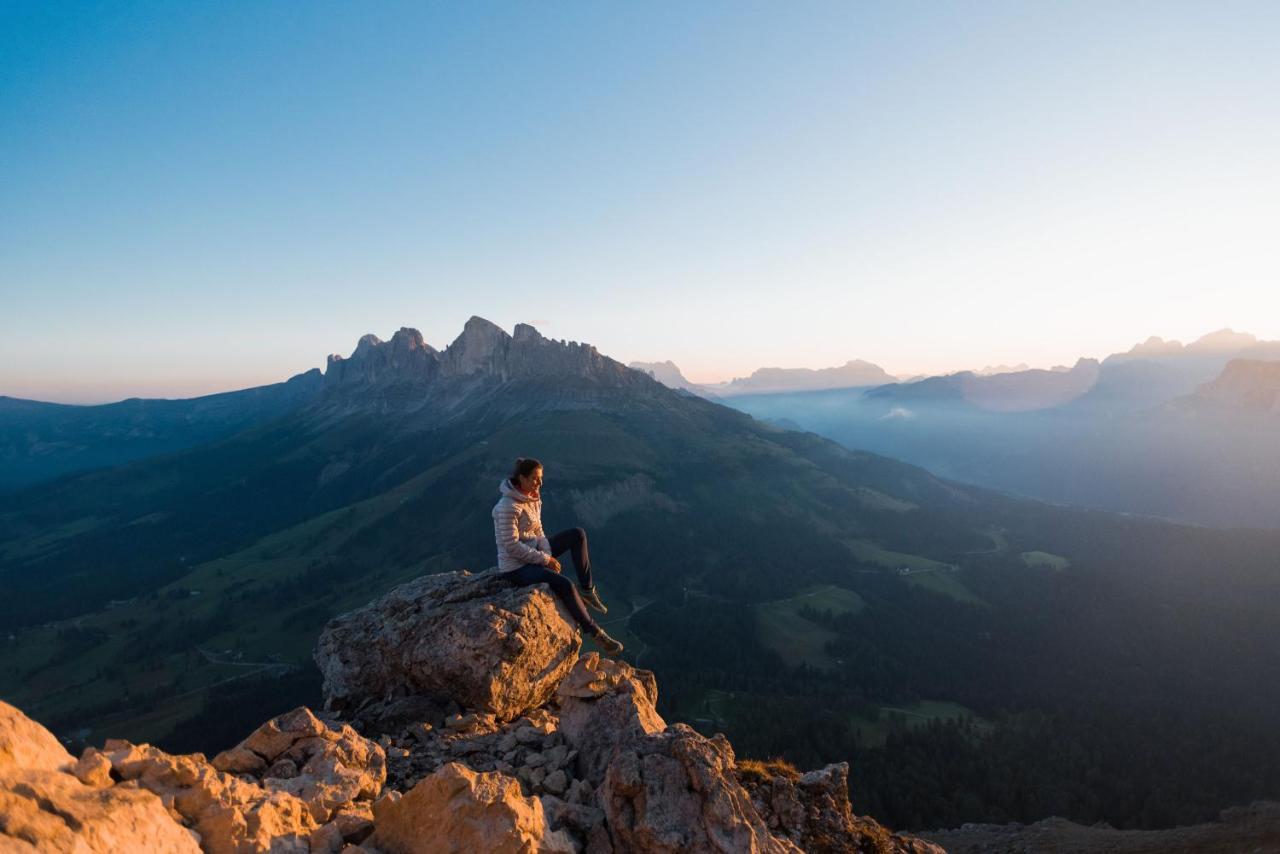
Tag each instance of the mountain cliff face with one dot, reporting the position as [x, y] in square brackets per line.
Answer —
[406, 374]
[561, 754]
[1245, 387]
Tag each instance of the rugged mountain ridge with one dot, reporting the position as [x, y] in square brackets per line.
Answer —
[1246, 387]
[407, 373]
[584, 764]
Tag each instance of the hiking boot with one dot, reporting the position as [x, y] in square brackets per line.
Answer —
[607, 644]
[592, 598]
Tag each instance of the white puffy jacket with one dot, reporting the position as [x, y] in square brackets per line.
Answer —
[517, 526]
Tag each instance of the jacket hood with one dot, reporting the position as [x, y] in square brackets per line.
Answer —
[511, 492]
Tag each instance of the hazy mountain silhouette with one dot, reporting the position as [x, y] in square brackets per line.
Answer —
[1245, 388]
[1016, 391]
[855, 373]
[40, 440]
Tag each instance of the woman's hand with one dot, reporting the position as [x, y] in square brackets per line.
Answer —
[553, 564]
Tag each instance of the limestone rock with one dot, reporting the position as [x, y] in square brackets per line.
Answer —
[604, 704]
[43, 810]
[478, 639]
[230, 814]
[676, 791]
[26, 744]
[93, 769]
[327, 768]
[456, 810]
[813, 811]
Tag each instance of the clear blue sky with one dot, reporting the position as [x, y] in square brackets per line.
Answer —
[204, 196]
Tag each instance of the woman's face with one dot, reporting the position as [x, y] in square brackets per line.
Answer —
[531, 482]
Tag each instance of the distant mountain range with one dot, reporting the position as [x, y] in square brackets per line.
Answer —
[43, 440]
[855, 373]
[1180, 432]
[810, 600]
[1148, 374]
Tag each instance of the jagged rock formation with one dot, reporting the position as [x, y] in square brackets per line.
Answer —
[328, 768]
[405, 372]
[494, 736]
[605, 705]
[813, 811]
[675, 791]
[475, 639]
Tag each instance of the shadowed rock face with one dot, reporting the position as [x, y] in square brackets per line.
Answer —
[475, 639]
[813, 811]
[605, 705]
[676, 791]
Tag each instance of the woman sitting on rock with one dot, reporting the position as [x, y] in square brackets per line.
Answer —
[527, 556]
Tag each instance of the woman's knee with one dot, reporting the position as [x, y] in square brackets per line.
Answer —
[560, 584]
[580, 534]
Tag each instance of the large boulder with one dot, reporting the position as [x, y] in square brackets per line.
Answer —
[475, 639]
[605, 704]
[676, 791]
[459, 811]
[327, 768]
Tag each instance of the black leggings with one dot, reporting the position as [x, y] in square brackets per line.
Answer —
[574, 541]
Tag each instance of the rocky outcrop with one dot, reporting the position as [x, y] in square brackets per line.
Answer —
[327, 768]
[458, 811]
[676, 791]
[295, 784]
[230, 814]
[44, 806]
[604, 705]
[813, 811]
[491, 735]
[473, 639]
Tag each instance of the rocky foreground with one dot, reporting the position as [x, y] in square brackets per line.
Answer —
[459, 717]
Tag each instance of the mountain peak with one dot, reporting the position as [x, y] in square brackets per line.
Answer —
[1223, 340]
[407, 338]
[525, 332]
[480, 345]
